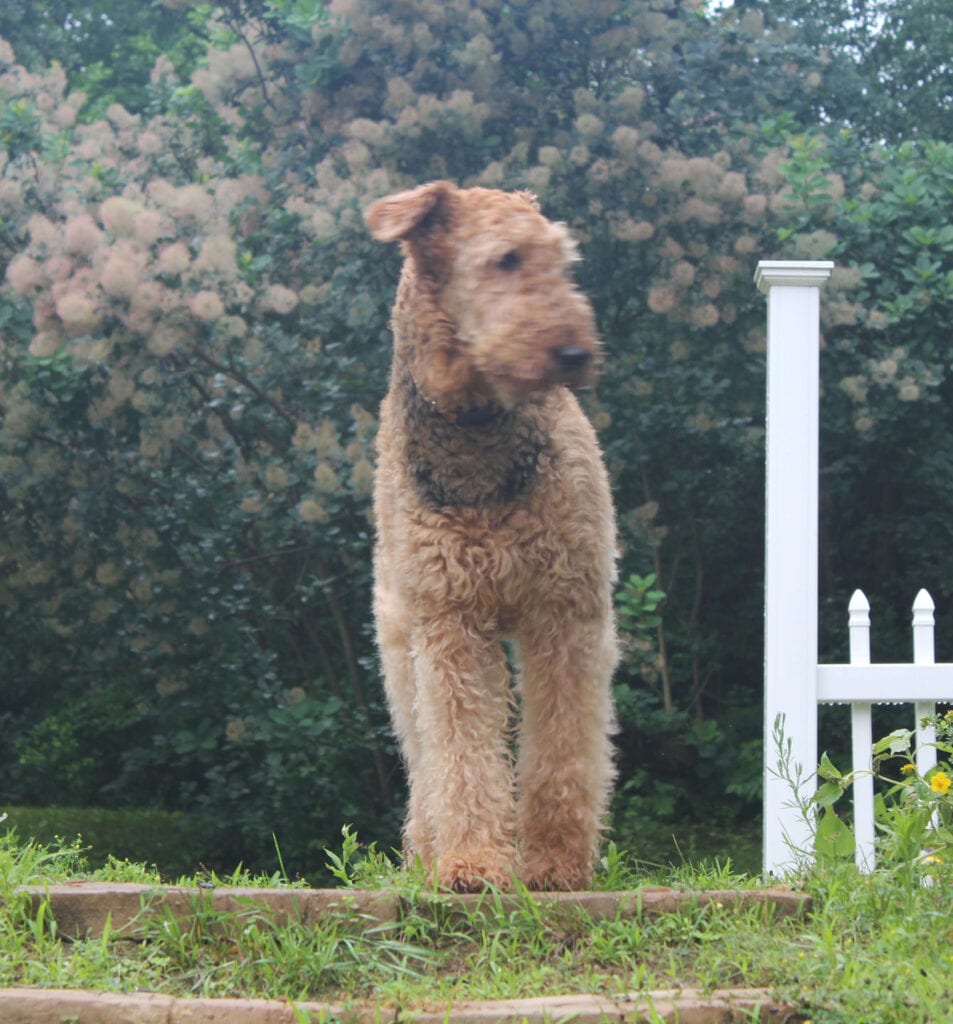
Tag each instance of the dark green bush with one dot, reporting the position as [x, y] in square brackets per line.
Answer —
[175, 843]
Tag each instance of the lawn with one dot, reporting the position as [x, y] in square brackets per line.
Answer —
[873, 948]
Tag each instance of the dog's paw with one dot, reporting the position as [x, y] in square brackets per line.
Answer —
[551, 876]
[467, 875]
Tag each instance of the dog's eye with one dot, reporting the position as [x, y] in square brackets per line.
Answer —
[511, 261]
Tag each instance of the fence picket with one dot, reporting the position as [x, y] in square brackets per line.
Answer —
[923, 654]
[862, 740]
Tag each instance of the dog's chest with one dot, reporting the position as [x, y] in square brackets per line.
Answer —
[454, 468]
[493, 566]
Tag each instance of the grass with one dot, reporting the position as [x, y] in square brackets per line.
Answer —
[875, 948]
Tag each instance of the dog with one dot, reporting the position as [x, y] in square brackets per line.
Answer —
[494, 523]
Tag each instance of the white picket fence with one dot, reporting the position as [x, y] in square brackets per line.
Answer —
[862, 684]
[794, 682]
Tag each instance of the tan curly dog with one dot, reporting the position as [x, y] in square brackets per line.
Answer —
[494, 522]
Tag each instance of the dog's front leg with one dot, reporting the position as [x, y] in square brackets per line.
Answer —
[463, 709]
[565, 766]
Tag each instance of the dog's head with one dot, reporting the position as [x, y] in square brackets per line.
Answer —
[498, 271]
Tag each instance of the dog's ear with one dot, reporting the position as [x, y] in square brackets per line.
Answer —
[400, 215]
[530, 198]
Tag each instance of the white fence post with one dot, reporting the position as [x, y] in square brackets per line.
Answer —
[862, 736]
[790, 698]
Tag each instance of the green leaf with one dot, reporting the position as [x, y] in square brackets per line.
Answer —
[896, 742]
[828, 794]
[826, 768]
[833, 839]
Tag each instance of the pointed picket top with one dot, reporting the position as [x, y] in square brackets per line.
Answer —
[923, 609]
[859, 607]
[858, 625]
[923, 621]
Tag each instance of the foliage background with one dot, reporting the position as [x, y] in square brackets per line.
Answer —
[193, 343]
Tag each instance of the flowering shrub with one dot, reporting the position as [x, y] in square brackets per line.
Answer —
[185, 496]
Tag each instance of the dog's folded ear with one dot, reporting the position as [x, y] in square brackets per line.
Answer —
[400, 215]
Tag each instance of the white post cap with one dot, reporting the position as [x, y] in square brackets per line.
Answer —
[792, 273]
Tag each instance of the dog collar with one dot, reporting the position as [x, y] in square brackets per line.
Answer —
[462, 416]
[475, 416]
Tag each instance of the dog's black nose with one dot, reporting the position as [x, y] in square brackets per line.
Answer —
[572, 358]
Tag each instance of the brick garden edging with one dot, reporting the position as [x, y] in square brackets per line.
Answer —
[83, 909]
[53, 1006]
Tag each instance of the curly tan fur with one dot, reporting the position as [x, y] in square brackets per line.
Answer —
[494, 522]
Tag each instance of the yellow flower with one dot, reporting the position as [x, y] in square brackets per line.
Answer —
[907, 768]
[940, 783]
